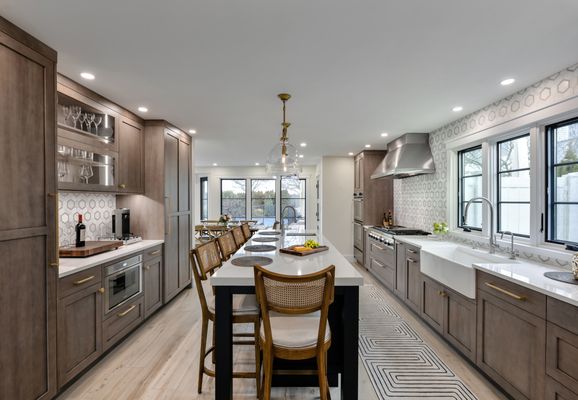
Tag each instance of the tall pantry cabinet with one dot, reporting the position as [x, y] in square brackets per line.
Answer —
[28, 256]
[164, 212]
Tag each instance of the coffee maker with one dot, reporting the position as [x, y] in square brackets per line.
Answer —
[121, 224]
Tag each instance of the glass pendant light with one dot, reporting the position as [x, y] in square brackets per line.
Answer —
[283, 159]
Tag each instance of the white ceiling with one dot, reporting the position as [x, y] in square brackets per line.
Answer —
[355, 68]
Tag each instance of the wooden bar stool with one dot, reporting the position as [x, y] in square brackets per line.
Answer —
[239, 236]
[227, 245]
[294, 311]
[205, 260]
[246, 231]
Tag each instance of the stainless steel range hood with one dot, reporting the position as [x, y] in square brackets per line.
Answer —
[409, 155]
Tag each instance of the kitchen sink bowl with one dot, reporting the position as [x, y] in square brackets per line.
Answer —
[452, 265]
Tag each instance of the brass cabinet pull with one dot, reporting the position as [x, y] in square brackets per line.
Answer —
[154, 253]
[122, 186]
[147, 267]
[506, 292]
[442, 293]
[412, 251]
[101, 290]
[80, 282]
[411, 260]
[122, 314]
[54, 264]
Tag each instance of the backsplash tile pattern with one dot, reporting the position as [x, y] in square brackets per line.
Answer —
[420, 201]
[96, 209]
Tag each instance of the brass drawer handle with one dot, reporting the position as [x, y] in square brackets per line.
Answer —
[411, 260]
[80, 282]
[506, 292]
[122, 186]
[101, 290]
[54, 264]
[412, 251]
[147, 267]
[154, 253]
[442, 293]
[122, 314]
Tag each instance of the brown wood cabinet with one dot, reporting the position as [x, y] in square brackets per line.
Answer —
[557, 391]
[122, 321]
[400, 288]
[79, 328]
[130, 156]
[28, 254]
[380, 261]
[408, 280]
[377, 193]
[510, 339]
[153, 284]
[433, 303]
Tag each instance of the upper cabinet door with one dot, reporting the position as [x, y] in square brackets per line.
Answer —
[184, 176]
[171, 173]
[130, 157]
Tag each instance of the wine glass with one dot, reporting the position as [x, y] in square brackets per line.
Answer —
[97, 122]
[75, 114]
[82, 119]
[62, 169]
[66, 111]
[90, 120]
[84, 173]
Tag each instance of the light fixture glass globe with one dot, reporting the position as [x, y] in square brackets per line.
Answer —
[286, 165]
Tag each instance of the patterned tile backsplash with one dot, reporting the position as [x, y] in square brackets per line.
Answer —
[96, 209]
[420, 201]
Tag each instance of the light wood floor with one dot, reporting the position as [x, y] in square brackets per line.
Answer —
[159, 362]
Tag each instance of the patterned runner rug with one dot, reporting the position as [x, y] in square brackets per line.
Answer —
[399, 363]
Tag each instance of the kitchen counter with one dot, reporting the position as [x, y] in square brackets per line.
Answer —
[69, 266]
[521, 272]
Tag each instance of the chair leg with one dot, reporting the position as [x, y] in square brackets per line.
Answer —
[204, 329]
[257, 357]
[268, 372]
[322, 373]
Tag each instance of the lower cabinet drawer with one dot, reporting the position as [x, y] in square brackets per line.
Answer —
[562, 356]
[79, 281]
[124, 320]
[383, 272]
[557, 391]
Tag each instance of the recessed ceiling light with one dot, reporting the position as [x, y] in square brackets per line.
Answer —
[300, 155]
[507, 82]
[257, 164]
[192, 131]
[457, 109]
[303, 144]
[143, 109]
[384, 134]
[350, 153]
[367, 146]
[87, 75]
[215, 164]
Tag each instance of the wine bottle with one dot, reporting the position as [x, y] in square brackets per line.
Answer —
[80, 232]
[389, 218]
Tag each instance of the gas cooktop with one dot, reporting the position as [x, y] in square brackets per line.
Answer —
[400, 230]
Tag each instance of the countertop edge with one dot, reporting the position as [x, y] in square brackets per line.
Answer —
[123, 251]
[546, 292]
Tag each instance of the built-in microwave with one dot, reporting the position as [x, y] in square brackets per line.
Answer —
[123, 281]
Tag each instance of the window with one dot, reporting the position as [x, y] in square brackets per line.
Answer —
[470, 186]
[233, 198]
[513, 185]
[293, 201]
[263, 204]
[562, 182]
[204, 198]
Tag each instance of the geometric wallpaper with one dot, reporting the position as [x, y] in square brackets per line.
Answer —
[420, 201]
[96, 210]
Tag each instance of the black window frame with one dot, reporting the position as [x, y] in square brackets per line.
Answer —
[204, 210]
[244, 217]
[304, 198]
[267, 198]
[461, 177]
[550, 217]
[498, 194]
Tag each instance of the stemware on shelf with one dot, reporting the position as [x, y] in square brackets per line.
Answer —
[82, 119]
[75, 114]
[66, 113]
[97, 122]
[90, 121]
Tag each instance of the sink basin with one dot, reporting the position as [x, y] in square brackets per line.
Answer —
[451, 265]
[300, 234]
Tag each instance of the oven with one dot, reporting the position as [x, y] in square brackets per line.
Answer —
[123, 281]
[358, 208]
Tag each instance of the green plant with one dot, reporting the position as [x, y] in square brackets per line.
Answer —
[440, 228]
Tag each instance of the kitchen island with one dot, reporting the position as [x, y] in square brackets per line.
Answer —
[343, 318]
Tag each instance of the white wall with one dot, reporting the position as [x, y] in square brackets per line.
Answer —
[215, 174]
[336, 202]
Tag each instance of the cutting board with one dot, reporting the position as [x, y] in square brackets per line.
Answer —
[291, 250]
[90, 249]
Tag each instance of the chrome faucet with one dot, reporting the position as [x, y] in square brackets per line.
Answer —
[493, 245]
[513, 253]
[283, 213]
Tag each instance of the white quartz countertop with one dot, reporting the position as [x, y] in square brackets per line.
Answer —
[521, 272]
[345, 273]
[69, 266]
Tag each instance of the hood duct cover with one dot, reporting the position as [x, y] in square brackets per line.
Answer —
[409, 155]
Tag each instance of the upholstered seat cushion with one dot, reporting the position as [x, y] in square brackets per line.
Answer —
[295, 331]
[243, 304]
